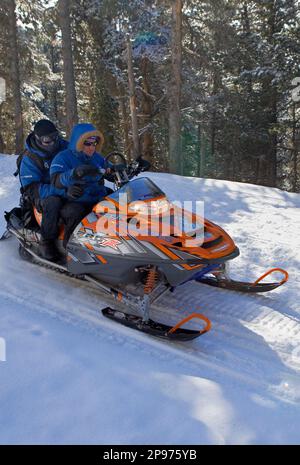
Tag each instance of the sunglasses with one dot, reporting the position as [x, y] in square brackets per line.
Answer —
[89, 144]
[49, 139]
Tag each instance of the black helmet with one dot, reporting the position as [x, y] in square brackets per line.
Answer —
[46, 135]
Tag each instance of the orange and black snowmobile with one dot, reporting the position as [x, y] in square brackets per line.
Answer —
[132, 246]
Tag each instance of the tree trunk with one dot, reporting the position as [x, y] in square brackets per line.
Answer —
[204, 150]
[273, 147]
[247, 30]
[54, 90]
[132, 98]
[176, 165]
[213, 141]
[245, 18]
[15, 76]
[272, 28]
[124, 118]
[2, 145]
[147, 107]
[262, 170]
[297, 151]
[216, 86]
[295, 145]
[68, 65]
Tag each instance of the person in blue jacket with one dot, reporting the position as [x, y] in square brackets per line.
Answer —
[77, 169]
[40, 148]
[78, 173]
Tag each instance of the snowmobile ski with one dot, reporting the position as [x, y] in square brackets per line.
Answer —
[175, 333]
[220, 280]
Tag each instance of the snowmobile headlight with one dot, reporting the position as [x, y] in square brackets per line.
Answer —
[154, 207]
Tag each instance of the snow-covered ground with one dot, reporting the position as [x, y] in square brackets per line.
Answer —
[72, 376]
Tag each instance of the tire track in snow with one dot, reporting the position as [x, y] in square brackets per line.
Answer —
[203, 354]
[260, 335]
[229, 348]
[89, 320]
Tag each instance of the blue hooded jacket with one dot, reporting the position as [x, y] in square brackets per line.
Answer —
[31, 173]
[65, 163]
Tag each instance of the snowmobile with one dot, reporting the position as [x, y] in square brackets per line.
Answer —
[123, 250]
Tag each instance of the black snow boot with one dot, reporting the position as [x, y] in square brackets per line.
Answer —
[48, 250]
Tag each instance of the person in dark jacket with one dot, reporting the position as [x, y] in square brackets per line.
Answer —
[40, 148]
[80, 169]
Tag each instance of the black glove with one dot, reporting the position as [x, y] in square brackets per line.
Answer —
[144, 165]
[75, 191]
[85, 170]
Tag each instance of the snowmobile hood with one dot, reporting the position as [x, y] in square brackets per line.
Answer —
[80, 133]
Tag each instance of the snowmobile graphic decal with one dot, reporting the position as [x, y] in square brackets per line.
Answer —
[108, 242]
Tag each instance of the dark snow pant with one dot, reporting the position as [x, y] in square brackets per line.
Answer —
[53, 208]
[71, 214]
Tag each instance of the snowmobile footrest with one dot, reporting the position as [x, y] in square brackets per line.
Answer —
[150, 327]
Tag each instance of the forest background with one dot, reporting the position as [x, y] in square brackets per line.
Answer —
[199, 88]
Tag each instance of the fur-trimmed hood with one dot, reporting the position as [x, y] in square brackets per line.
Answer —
[80, 133]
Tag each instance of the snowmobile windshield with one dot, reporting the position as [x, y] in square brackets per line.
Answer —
[139, 189]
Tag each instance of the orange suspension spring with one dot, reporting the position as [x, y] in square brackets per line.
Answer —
[151, 280]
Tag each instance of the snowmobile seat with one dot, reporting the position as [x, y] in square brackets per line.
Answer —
[20, 219]
[38, 219]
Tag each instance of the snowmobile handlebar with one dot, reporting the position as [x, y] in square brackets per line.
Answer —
[124, 172]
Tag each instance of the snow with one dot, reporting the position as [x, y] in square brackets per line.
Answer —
[71, 376]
